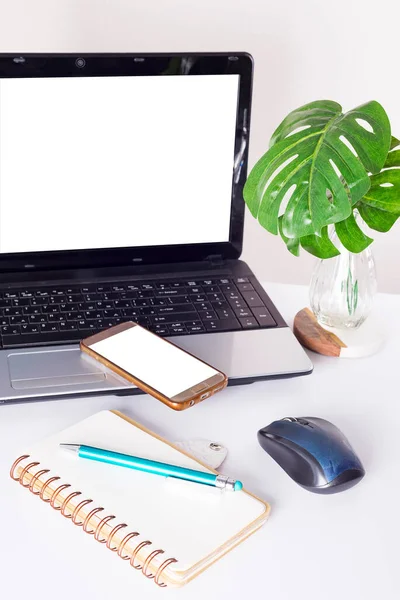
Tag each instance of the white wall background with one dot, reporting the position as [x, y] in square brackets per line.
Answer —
[347, 50]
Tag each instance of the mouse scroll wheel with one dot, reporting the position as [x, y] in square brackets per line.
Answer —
[291, 419]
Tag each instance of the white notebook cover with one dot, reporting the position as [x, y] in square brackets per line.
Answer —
[193, 523]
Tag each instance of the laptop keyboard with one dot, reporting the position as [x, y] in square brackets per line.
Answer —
[64, 314]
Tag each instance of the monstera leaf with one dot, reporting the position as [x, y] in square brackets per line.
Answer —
[318, 163]
[380, 207]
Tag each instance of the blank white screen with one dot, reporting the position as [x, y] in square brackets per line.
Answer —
[97, 162]
[154, 361]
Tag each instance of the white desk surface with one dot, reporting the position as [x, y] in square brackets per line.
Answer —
[313, 547]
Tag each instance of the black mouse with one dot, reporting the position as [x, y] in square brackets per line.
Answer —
[313, 452]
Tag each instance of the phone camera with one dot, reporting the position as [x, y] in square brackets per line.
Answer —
[80, 63]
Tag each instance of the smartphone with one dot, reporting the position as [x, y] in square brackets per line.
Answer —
[155, 365]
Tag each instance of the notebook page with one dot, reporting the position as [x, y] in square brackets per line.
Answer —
[189, 523]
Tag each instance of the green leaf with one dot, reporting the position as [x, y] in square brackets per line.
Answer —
[314, 169]
[384, 193]
[320, 246]
[351, 236]
[395, 143]
[292, 244]
[377, 219]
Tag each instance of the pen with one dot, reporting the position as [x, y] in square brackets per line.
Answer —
[152, 466]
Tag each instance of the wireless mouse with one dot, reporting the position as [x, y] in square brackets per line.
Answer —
[313, 452]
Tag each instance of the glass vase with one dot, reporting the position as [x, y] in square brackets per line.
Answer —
[342, 288]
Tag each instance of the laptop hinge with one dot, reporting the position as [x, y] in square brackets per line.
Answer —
[216, 260]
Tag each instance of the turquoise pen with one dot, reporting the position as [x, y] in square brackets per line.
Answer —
[152, 466]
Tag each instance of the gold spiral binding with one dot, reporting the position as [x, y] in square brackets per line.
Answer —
[15, 463]
[148, 561]
[123, 543]
[112, 533]
[34, 479]
[24, 471]
[63, 506]
[161, 568]
[54, 495]
[77, 510]
[65, 503]
[135, 552]
[44, 486]
[90, 514]
[100, 526]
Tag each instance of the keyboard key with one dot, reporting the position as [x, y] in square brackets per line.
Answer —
[242, 280]
[237, 303]
[222, 325]
[13, 311]
[20, 302]
[19, 320]
[131, 313]
[195, 328]
[113, 313]
[174, 317]
[93, 314]
[147, 286]
[10, 295]
[177, 330]
[174, 308]
[103, 288]
[217, 305]
[228, 288]
[48, 327]
[225, 313]
[4, 321]
[224, 281]
[207, 315]
[55, 318]
[32, 328]
[193, 283]
[122, 304]
[161, 329]
[32, 310]
[243, 312]
[252, 299]
[245, 287]
[263, 317]
[167, 293]
[38, 318]
[177, 300]
[215, 298]
[10, 330]
[198, 298]
[68, 326]
[249, 323]
[89, 289]
[105, 305]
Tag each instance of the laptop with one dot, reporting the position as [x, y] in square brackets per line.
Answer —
[121, 179]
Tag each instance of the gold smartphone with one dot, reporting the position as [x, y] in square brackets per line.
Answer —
[155, 365]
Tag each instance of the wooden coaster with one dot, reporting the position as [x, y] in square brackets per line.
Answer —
[343, 343]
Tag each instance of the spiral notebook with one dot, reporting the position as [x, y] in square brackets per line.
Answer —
[168, 530]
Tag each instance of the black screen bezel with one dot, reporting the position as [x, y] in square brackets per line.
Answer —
[188, 64]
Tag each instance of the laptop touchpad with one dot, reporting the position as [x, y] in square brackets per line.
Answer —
[49, 368]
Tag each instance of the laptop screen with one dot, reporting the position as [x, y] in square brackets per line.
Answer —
[112, 162]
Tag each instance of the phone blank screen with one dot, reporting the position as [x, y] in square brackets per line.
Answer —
[157, 363]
